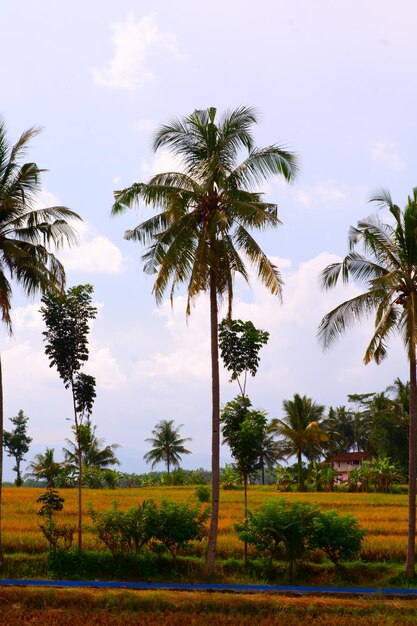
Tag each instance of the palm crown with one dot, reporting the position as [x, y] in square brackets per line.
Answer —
[26, 232]
[208, 209]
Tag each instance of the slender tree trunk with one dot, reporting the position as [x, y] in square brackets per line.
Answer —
[245, 487]
[300, 471]
[412, 453]
[80, 474]
[1, 467]
[215, 445]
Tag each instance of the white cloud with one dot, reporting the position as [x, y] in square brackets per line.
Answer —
[387, 154]
[134, 43]
[319, 194]
[107, 370]
[163, 161]
[94, 254]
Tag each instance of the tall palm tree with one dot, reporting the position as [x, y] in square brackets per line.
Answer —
[207, 212]
[388, 271]
[300, 431]
[26, 234]
[167, 445]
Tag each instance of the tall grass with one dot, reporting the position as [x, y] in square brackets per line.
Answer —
[383, 515]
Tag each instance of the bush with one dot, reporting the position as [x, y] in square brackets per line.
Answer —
[339, 536]
[172, 524]
[279, 529]
[124, 530]
[176, 524]
[288, 531]
[203, 493]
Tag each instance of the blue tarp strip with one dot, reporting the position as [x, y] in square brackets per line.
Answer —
[212, 587]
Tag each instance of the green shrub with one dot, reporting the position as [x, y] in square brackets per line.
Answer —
[339, 536]
[203, 493]
[279, 529]
[176, 524]
[124, 530]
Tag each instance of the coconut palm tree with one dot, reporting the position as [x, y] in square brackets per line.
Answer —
[94, 454]
[206, 214]
[44, 467]
[387, 270]
[167, 445]
[26, 234]
[300, 431]
[340, 429]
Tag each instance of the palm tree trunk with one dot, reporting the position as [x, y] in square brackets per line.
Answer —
[245, 486]
[300, 470]
[215, 445]
[412, 453]
[1, 466]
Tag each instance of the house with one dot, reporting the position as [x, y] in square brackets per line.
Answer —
[347, 462]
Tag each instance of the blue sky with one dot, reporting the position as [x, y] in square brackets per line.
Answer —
[333, 81]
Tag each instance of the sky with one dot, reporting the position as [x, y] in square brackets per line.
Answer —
[332, 81]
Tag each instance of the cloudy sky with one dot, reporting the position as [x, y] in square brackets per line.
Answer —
[333, 81]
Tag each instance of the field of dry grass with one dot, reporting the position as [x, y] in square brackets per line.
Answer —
[384, 516]
[62, 607]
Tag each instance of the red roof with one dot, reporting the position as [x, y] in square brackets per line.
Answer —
[351, 456]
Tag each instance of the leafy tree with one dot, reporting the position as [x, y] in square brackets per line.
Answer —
[67, 317]
[239, 344]
[387, 270]
[207, 213]
[167, 445]
[243, 430]
[300, 431]
[16, 443]
[26, 234]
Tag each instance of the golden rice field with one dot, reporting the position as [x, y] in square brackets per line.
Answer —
[64, 607]
[383, 515]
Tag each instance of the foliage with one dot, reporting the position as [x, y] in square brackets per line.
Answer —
[178, 523]
[229, 476]
[378, 475]
[124, 530]
[339, 536]
[279, 529]
[167, 445]
[203, 493]
[172, 524]
[239, 344]
[287, 531]
[243, 430]
[16, 443]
